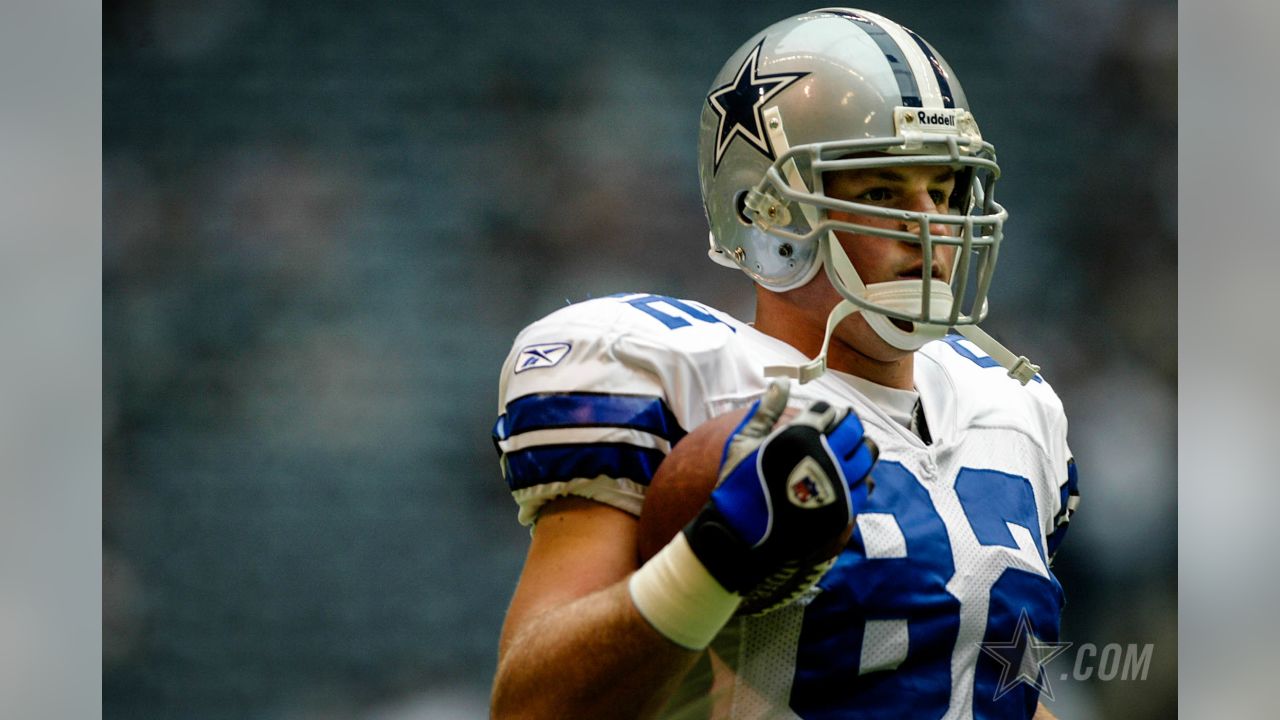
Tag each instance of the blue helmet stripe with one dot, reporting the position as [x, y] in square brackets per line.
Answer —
[938, 72]
[561, 463]
[893, 54]
[647, 413]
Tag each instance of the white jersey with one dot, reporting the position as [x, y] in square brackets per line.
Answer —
[952, 552]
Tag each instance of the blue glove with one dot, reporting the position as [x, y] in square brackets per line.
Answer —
[784, 498]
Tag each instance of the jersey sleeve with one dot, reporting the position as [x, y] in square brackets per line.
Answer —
[1066, 476]
[1068, 501]
[576, 417]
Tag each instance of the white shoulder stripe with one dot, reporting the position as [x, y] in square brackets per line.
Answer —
[582, 436]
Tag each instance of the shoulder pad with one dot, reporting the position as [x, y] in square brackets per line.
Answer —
[594, 395]
[984, 392]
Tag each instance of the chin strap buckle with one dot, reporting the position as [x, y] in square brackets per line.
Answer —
[1020, 368]
[811, 370]
[1023, 370]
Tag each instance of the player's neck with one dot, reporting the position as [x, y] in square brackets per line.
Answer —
[802, 330]
[898, 372]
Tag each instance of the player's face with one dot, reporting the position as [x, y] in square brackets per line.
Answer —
[926, 188]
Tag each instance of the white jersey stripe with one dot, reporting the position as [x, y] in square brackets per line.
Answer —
[926, 81]
[583, 435]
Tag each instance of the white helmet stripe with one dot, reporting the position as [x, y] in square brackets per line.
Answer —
[894, 57]
[921, 66]
[939, 72]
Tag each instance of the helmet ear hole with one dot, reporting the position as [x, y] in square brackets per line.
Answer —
[740, 207]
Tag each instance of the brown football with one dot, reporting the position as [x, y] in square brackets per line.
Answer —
[684, 481]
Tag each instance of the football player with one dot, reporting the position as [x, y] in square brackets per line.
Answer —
[844, 171]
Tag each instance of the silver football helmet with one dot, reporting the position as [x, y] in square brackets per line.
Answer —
[840, 89]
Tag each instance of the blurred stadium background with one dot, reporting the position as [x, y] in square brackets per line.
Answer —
[324, 222]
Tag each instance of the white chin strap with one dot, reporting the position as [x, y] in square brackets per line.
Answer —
[906, 296]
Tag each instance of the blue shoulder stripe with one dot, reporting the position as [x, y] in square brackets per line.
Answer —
[648, 413]
[558, 463]
[984, 360]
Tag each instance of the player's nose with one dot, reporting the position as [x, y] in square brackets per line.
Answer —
[919, 203]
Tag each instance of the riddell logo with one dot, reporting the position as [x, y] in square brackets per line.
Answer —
[936, 119]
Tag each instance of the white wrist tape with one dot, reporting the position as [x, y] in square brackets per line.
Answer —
[679, 598]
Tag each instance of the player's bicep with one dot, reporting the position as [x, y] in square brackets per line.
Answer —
[579, 547]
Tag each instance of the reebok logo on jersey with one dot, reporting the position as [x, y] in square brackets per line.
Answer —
[542, 355]
[808, 485]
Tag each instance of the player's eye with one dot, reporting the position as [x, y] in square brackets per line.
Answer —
[876, 195]
[938, 196]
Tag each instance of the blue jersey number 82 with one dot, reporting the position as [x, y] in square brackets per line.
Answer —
[879, 640]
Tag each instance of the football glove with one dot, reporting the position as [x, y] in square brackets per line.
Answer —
[783, 500]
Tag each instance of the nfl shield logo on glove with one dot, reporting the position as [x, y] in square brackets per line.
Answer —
[808, 486]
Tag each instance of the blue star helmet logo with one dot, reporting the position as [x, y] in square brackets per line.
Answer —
[740, 105]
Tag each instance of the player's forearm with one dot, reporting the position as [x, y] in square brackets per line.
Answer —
[593, 657]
